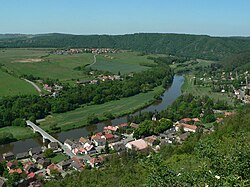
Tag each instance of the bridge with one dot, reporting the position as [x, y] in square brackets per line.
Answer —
[47, 136]
[44, 134]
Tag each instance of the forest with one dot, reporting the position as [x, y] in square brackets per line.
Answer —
[195, 46]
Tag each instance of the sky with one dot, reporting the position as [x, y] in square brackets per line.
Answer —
[210, 17]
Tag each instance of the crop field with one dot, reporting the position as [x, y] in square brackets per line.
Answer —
[124, 62]
[40, 64]
[10, 86]
[78, 117]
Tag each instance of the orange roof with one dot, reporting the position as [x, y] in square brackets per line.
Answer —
[52, 167]
[186, 119]
[18, 170]
[109, 136]
[111, 128]
[193, 127]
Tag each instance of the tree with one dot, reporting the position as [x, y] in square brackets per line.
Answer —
[48, 153]
[106, 149]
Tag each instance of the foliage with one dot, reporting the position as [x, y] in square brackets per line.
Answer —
[48, 153]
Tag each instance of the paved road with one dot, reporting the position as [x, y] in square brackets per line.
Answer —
[33, 84]
[93, 61]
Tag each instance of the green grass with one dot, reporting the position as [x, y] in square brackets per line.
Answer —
[10, 86]
[125, 62]
[78, 117]
[18, 132]
[58, 158]
[189, 87]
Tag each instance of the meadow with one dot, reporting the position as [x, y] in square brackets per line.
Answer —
[11, 86]
[123, 62]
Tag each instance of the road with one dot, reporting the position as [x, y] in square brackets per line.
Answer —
[93, 61]
[33, 84]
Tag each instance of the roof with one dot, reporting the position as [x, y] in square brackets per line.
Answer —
[10, 164]
[31, 175]
[52, 167]
[8, 154]
[186, 120]
[150, 139]
[123, 125]
[193, 127]
[96, 160]
[22, 155]
[134, 125]
[184, 135]
[139, 144]
[109, 136]
[83, 140]
[18, 170]
[69, 142]
[111, 128]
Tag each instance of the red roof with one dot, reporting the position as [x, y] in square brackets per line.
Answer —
[109, 136]
[111, 128]
[18, 170]
[123, 125]
[31, 175]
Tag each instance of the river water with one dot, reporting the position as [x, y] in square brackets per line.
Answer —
[168, 98]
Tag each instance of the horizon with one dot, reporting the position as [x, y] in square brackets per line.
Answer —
[224, 18]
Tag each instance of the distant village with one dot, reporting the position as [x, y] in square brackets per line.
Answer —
[41, 164]
[72, 51]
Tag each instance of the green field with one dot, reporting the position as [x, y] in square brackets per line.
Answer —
[125, 62]
[35, 62]
[10, 86]
[189, 87]
[78, 117]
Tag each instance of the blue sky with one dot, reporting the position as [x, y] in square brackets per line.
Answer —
[212, 17]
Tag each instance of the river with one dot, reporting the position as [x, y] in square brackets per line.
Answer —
[168, 98]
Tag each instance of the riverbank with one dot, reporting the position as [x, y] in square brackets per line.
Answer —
[78, 118]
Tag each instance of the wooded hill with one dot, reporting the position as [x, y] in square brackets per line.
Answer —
[198, 46]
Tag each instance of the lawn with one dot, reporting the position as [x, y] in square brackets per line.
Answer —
[10, 86]
[58, 158]
[78, 117]
[125, 62]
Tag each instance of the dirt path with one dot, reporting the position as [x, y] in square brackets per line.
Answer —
[33, 84]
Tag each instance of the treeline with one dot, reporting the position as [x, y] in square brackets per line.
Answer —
[217, 159]
[196, 46]
[13, 110]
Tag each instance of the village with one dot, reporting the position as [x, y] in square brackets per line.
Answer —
[72, 51]
[49, 162]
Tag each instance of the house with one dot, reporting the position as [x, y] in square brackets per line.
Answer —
[185, 120]
[31, 177]
[29, 167]
[8, 156]
[83, 140]
[35, 151]
[118, 147]
[77, 164]
[52, 167]
[151, 140]
[64, 165]
[53, 145]
[110, 129]
[186, 127]
[12, 165]
[90, 150]
[70, 144]
[138, 145]
[96, 161]
[23, 155]
[36, 157]
[99, 140]
[134, 125]
[123, 126]
[43, 163]
[183, 136]
[18, 170]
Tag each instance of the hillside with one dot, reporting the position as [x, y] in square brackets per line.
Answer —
[237, 62]
[217, 159]
[199, 46]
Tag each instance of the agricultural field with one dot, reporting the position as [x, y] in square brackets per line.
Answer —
[123, 62]
[78, 117]
[10, 86]
[38, 63]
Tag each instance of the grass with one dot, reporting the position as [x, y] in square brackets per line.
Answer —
[189, 87]
[78, 117]
[10, 86]
[18, 132]
[58, 158]
[125, 62]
